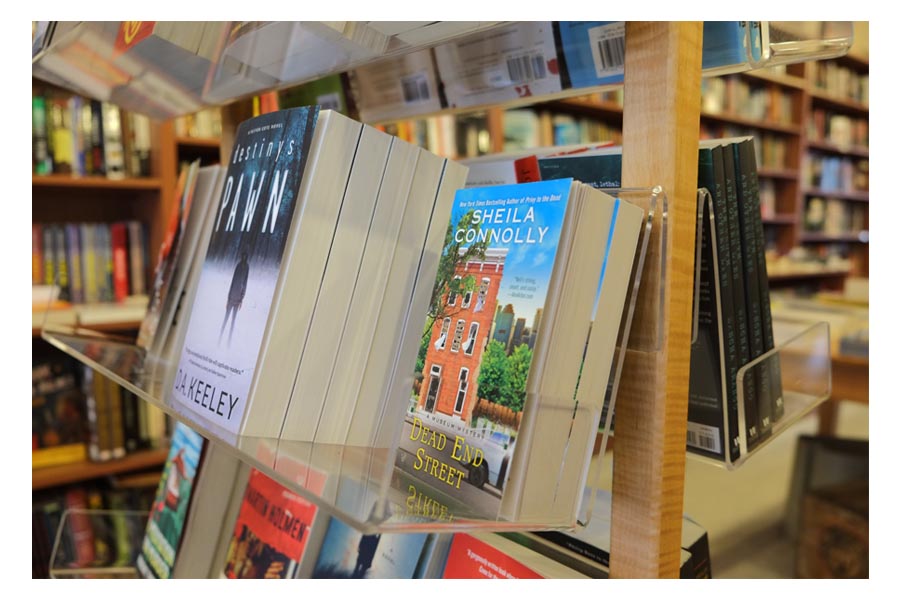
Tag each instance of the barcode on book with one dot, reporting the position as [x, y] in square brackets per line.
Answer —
[526, 68]
[703, 437]
[608, 48]
[415, 88]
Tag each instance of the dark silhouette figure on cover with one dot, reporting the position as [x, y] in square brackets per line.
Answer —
[235, 294]
[368, 544]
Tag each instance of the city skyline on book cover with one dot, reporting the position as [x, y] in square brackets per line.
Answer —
[241, 270]
[170, 506]
[271, 531]
[480, 332]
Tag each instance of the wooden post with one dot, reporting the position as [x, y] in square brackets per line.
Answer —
[661, 127]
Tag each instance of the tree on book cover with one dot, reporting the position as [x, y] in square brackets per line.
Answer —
[270, 533]
[242, 265]
[170, 506]
[481, 327]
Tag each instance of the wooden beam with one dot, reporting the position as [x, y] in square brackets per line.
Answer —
[661, 126]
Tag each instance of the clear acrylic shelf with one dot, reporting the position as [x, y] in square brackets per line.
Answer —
[372, 488]
[800, 359]
[168, 69]
[98, 544]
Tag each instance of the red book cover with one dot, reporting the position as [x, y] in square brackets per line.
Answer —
[119, 233]
[527, 169]
[79, 527]
[37, 275]
[470, 558]
[271, 531]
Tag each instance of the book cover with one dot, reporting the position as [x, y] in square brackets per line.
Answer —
[243, 261]
[41, 162]
[271, 531]
[171, 504]
[58, 433]
[348, 554]
[136, 257]
[479, 333]
[37, 251]
[119, 235]
[471, 558]
[593, 51]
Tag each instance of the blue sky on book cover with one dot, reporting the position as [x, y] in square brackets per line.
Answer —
[348, 554]
[242, 265]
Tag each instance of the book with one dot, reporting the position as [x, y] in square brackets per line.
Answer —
[118, 238]
[502, 64]
[593, 52]
[41, 162]
[491, 556]
[58, 432]
[137, 258]
[478, 396]
[346, 553]
[270, 534]
[276, 219]
[171, 505]
[74, 263]
[396, 87]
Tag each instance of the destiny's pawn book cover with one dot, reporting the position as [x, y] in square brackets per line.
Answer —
[469, 389]
[170, 507]
[238, 281]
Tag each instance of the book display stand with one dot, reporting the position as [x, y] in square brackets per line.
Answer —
[648, 384]
[801, 361]
[75, 553]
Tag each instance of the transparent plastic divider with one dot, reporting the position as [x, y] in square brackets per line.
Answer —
[644, 290]
[76, 552]
[801, 355]
[142, 68]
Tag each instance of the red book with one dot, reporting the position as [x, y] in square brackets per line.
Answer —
[37, 258]
[470, 558]
[79, 528]
[119, 233]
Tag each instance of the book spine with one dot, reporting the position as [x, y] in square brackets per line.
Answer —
[118, 232]
[59, 263]
[773, 365]
[93, 417]
[114, 420]
[726, 296]
[103, 263]
[98, 167]
[103, 430]
[60, 136]
[136, 258]
[49, 255]
[113, 151]
[78, 159]
[750, 412]
[37, 258]
[40, 152]
[130, 420]
[73, 259]
[89, 263]
[749, 214]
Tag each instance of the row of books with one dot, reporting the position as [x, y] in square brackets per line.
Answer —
[833, 216]
[512, 62]
[838, 129]
[836, 173]
[840, 81]
[736, 96]
[264, 530]
[772, 150]
[77, 136]
[728, 169]
[92, 536]
[78, 415]
[206, 123]
[90, 262]
[389, 267]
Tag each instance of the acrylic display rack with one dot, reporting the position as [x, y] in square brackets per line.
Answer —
[801, 355]
[363, 486]
[111, 61]
[75, 551]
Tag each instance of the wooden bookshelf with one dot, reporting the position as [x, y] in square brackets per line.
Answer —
[788, 81]
[862, 196]
[773, 173]
[117, 327]
[198, 142]
[824, 238]
[49, 477]
[96, 183]
[823, 98]
[780, 220]
[826, 146]
[732, 119]
[800, 275]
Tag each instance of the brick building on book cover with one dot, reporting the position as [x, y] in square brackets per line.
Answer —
[450, 375]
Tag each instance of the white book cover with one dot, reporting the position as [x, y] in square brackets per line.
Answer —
[231, 309]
